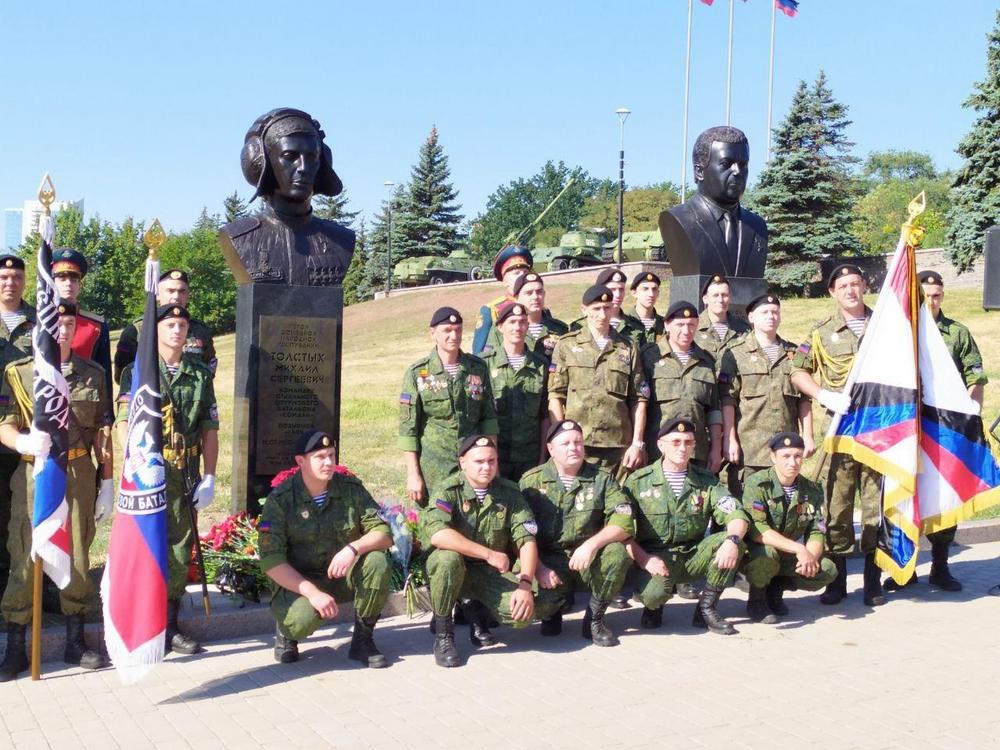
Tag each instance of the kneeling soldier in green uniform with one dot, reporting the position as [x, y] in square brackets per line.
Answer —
[475, 519]
[784, 507]
[583, 519]
[89, 431]
[323, 543]
[674, 501]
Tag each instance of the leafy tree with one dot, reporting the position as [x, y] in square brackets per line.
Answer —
[880, 213]
[641, 211]
[883, 166]
[234, 207]
[806, 192]
[976, 189]
[334, 209]
[213, 288]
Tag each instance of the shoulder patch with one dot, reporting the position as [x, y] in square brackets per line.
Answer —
[443, 506]
[623, 509]
[727, 504]
[531, 527]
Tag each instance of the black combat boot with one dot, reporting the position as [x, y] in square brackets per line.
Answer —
[775, 592]
[76, 646]
[15, 660]
[758, 609]
[707, 616]
[594, 627]
[620, 601]
[687, 591]
[176, 640]
[478, 618]
[940, 575]
[286, 650]
[837, 589]
[889, 584]
[873, 582]
[552, 626]
[445, 652]
[652, 619]
[363, 648]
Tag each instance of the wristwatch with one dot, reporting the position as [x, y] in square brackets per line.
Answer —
[734, 539]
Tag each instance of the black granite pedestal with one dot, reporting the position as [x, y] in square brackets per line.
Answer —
[741, 290]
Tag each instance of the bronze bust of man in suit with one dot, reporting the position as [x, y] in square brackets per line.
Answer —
[710, 233]
[286, 159]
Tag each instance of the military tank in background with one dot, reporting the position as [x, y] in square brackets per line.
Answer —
[637, 247]
[576, 249]
[433, 269]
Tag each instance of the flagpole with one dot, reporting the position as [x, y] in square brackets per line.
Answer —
[687, 90]
[729, 69]
[770, 80]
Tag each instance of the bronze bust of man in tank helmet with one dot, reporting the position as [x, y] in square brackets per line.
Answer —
[286, 159]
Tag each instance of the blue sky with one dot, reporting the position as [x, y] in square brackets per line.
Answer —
[140, 108]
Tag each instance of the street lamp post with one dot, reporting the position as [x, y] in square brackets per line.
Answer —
[389, 184]
[623, 113]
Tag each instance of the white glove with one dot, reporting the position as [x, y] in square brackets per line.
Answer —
[838, 403]
[105, 500]
[206, 491]
[35, 443]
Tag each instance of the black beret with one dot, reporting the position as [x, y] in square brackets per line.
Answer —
[843, 269]
[681, 309]
[501, 264]
[597, 293]
[675, 425]
[643, 277]
[786, 440]
[506, 309]
[475, 441]
[930, 277]
[174, 274]
[611, 274]
[66, 259]
[528, 278]
[445, 315]
[7, 260]
[172, 311]
[65, 307]
[763, 299]
[718, 278]
[312, 440]
[564, 425]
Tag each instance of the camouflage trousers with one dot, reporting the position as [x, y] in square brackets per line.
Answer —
[847, 480]
[366, 584]
[451, 577]
[764, 563]
[603, 579]
[685, 567]
[81, 495]
[609, 459]
[9, 462]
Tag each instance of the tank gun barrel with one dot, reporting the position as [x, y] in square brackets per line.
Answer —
[519, 238]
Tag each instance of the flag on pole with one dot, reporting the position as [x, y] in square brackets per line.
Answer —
[788, 7]
[50, 536]
[134, 587]
[708, 2]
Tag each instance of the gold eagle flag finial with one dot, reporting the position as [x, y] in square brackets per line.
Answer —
[913, 234]
[47, 194]
[153, 238]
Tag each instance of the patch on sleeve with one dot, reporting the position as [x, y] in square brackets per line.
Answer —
[805, 347]
[264, 527]
[977, 370]
[724, 378]
[821, 525]
[727, 504]
[758, 505]
[531, 527]
[553, 367]
[405, 399]
[443, 506]
[644, 389]
[623, 509]
[213, 412]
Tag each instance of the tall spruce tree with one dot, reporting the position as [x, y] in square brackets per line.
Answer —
[234, 207]
[807, 191]
[335, 209]
[353, 291]
[976, 191]
[430, 217]
[376, 246]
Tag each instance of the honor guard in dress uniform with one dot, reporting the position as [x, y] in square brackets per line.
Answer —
[787, 533]
[583, 519]
[965, 354]
[682, 383]
[93, 337]
[191, 442]
[172, 289]
[473, 523]
[89, 431]
[323, 543]
[595, 379]
[17, 318]
[717, 328]
[543, 329]
[511, 263]
[446, 397]
[517, 379]
[648, 324]
[829, 354]
[675, 501]
[758, 398]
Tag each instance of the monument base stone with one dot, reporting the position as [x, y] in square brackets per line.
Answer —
[742, 289]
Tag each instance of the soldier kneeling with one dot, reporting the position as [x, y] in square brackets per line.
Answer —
[323, 543]
[784, 507]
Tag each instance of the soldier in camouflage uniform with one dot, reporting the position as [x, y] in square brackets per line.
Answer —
[323, 543]
[517, 378]
[190, 432]
[88, 432]
[717, 327]
[446, 397]
[17, 318]
[674, 502]
[784, 507]
[583, 519]
[755, 384]
[543, 329]
[616, 281]
[682, 383]
[829, 354]
[595, 379]
[648, 324]
[474, 522]
[172, 289]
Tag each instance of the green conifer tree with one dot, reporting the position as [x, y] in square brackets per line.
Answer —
[334, 209]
